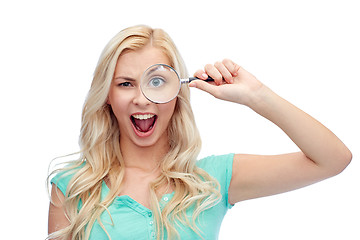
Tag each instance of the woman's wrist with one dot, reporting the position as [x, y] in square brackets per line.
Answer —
[259, 99]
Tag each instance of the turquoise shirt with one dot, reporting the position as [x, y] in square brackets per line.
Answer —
[132, 220]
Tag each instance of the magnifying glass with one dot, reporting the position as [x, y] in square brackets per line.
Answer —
[160, 83]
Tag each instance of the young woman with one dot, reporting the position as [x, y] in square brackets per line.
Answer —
[138, 176]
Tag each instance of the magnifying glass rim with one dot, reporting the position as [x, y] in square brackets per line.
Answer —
[165, 65]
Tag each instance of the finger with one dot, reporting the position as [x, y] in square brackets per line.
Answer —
[231, 66]
[225, 72]
[205, 86]
[201, 74]
[213, 72]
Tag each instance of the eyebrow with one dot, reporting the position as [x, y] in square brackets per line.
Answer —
[153, 70]
[160, 67]
[125, 78]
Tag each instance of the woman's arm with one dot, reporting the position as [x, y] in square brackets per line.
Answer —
[57, 217]
[322, 154]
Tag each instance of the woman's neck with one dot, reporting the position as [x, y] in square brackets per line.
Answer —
[146, 159]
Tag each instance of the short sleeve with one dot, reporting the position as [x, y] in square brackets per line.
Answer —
[220, 168]
[62, 179]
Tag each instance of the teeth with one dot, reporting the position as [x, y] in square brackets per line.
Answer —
[143, 116]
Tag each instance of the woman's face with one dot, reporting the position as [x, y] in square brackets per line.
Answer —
[141, 122]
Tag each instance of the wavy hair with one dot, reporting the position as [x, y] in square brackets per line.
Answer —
[100, 155]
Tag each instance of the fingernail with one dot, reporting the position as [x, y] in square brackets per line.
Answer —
[192, 84]
[204, 75]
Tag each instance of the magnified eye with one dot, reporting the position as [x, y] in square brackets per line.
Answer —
[156, 82]
[160, 83]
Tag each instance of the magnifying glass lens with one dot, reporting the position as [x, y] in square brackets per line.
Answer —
[160, 83]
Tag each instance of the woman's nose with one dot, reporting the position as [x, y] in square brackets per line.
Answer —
[140, 99]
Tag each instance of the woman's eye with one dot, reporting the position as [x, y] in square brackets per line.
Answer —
[156, 82]
[125, 84]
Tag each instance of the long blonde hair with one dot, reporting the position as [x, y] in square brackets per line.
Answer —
[100, 154]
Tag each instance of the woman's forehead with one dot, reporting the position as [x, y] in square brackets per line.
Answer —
[142, 57]
[133, 63]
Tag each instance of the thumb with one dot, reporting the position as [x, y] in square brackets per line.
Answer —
[204, 86]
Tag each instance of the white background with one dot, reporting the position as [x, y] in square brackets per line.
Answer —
[306, 51]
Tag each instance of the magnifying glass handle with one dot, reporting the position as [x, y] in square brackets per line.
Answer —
[209, 79]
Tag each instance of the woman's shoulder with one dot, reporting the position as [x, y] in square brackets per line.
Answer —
[218, 166]
[216, 162]
[63, 176]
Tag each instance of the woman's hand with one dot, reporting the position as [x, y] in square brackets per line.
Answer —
[231, 82]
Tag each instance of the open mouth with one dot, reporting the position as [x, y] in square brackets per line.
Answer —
[143, 122]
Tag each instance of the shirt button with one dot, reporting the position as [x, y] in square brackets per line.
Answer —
[166, 199]
[150, 214]
[151, 223]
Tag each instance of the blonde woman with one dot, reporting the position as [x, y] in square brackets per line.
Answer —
[138, 176]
